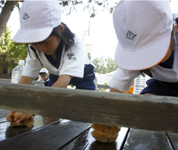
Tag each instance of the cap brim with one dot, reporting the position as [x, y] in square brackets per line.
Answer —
[144, 58]
[32, 36]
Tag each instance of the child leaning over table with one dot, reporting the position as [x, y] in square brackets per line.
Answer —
[44, 76]
[147, 43]
[54, 46]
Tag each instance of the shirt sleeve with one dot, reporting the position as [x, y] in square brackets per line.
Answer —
[122, 79]
[74, 61]
[32, 66]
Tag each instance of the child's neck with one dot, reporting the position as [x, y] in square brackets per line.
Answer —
[54, 56]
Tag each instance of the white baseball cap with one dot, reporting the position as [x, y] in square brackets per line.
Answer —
[43, 70]
[37, 20]
[143, 29]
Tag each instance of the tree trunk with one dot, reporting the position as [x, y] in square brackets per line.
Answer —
[5, 15]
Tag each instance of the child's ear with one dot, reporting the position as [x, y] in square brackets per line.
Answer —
[61, 27]
[174, 27]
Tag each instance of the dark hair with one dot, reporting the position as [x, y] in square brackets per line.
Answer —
[42, 73]
[173, 43]
[67, 37]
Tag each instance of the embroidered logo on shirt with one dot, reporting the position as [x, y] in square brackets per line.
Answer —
[71, 57]
[25, 16]
[130, 35]
[90, 74]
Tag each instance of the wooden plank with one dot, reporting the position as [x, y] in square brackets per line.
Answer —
[138, 111]
[147, 140]
[53, 136]
[7, 132]
[86, 142]
[173, 137]
[4, 130]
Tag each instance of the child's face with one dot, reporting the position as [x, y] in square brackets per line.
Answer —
[44, 76]
[48, 46]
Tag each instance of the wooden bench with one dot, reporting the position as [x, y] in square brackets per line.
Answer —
[49, 134]
[87, 106]
[53, 134]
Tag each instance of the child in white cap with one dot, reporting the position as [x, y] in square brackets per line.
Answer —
[147, 43]
[44, 76]
[54, 46]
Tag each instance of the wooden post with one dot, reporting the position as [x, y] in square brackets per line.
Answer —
[116, 109]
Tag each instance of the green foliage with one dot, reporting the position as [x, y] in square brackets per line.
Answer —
[104, 65]
[18, 51]
[4, 46]
[10, 52]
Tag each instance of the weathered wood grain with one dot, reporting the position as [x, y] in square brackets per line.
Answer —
[50, 137]
[173, 137]
[87, 142]
[7, 132]
[137, 111]
[147, 140]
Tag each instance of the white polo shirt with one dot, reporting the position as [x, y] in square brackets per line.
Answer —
[122, 79]
[72, 62]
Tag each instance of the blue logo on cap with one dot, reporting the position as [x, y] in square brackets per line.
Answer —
[25, 16]
[130, 35]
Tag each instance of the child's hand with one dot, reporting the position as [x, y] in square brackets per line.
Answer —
[15, 118]
[10, 116]
[12, 113]
[20, 116]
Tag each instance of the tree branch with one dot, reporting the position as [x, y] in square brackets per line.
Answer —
[5, 15]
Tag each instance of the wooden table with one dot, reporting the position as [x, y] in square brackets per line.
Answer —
[54, 134]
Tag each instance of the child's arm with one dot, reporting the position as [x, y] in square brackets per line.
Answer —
[62, 81]
[25, 80]
[122, 80]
